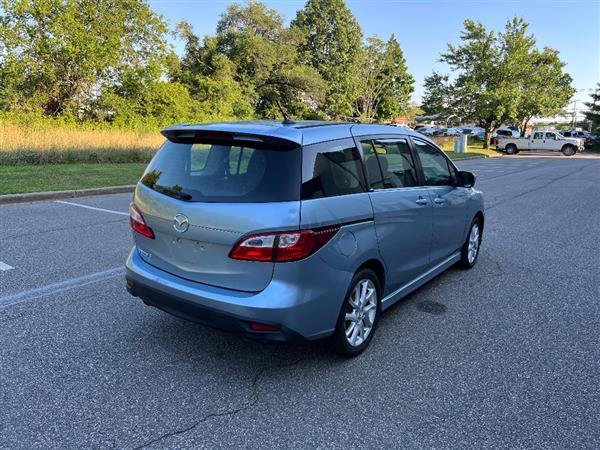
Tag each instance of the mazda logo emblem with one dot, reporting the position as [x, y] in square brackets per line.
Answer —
[181, 223]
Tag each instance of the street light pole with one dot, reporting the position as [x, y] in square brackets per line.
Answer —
[450, 117]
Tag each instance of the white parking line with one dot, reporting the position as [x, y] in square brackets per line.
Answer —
[4, 266]
[92, 207]
[32, 294]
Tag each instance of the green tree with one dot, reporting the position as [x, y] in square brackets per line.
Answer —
[253, 49]
[331, 43]
[210, 77]
[436, 96]
[384, 83]
[593, 113]
[398, 84]
[545, 88]
[482, 91]
[499, 78]
[56, 55]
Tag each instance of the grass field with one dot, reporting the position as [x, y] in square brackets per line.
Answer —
[59, 177]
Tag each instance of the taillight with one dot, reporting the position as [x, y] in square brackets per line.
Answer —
[282, 247]
[138, 223]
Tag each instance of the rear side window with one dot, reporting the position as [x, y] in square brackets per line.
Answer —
[207, 172]
[330, 169]
[389, 163]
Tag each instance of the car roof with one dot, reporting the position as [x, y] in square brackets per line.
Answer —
[304, 132]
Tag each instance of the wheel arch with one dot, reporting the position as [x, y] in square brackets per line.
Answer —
[568, 146]
[376, 266]
[479, 215]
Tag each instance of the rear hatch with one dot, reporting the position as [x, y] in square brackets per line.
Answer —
[202, 193]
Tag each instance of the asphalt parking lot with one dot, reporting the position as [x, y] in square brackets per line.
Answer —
[504, 355]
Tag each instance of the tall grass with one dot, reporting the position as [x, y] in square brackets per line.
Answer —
[444, 142]
[43, 143]
[27, 140]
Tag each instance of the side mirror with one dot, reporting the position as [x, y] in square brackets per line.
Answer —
[465, 179]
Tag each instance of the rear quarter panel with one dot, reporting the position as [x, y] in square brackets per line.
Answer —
[319, 283]
[356, 241]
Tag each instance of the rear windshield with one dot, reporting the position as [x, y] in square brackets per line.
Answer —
[206, 172]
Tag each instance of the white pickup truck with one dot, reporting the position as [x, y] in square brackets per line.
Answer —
[540, 140]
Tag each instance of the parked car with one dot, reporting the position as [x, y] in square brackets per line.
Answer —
[453, 131]
[540, 140]
[506, 133]
[584, 137]
[577, 134]
[502, 133]
[308, 230]
[427, 131]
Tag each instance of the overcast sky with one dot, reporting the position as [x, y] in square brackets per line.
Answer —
[424, 27]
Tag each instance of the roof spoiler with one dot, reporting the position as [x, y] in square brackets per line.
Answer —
[191, 136]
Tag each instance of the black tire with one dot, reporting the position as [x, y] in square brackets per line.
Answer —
[511, 149]
[466, 262]
[568, 150]
[339, 339]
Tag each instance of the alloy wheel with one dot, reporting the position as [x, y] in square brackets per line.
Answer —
[360, 312]
[474, 239]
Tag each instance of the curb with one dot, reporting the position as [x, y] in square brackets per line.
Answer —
[55, 195]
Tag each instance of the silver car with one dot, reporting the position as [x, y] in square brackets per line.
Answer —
[304, 229]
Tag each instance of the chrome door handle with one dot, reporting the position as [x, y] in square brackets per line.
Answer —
[438, 201]
[421, 201]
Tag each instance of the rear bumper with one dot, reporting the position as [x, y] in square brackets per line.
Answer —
[195, 312]
[299, 304]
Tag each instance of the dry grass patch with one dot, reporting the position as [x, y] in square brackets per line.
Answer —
[20, 144]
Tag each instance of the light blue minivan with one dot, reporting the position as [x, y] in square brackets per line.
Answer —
[297, 229]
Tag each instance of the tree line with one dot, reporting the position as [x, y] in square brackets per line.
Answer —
[111, 61]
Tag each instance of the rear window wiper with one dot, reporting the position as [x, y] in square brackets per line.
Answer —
[173, 192]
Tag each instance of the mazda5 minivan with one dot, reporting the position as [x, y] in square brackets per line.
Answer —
[289, 229]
